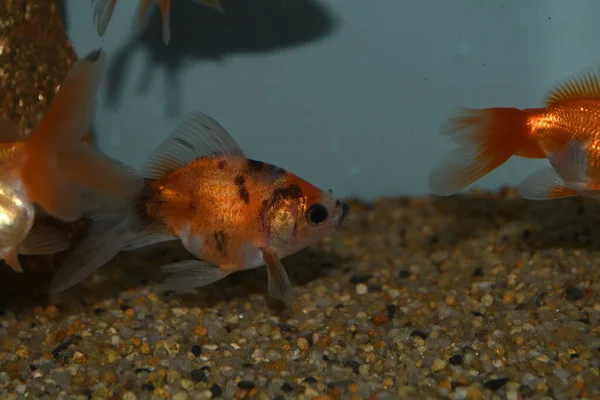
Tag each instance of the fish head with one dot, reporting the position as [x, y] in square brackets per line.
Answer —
[298, 214]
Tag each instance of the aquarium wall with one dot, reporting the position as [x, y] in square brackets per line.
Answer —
[349, 94]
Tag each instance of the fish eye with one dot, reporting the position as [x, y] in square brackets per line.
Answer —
[317, 214]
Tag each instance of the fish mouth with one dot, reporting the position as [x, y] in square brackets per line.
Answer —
[345, 213]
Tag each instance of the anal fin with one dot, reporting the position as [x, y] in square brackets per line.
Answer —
[545, 184]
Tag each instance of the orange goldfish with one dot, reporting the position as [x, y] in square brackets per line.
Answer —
[52, 166]
[566, 131]
[103, 10]
[231, 212]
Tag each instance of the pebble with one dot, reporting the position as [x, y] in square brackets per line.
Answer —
[361, 289]
[392, 306]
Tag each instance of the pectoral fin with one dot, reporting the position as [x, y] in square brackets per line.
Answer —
[279, 282]
[12, 260]
[44, 240]
[191, 274]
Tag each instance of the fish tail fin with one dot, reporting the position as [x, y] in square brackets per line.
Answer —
[213, 4]
[486, 139]
[55, 155]
[102, 10]
[109, 232]
[165, 10]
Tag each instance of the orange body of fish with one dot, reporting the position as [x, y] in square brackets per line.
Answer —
[103, 10]
[53, 171]
[566, 131]
[231, 212]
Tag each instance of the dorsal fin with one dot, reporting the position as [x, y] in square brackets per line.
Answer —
[585, 85]
[197, 136]
[9, 132]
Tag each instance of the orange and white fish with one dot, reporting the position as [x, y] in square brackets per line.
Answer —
[53, 168]
[103, 10]
[566, 131]
[231, 212]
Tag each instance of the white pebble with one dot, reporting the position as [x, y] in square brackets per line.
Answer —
[361, 289]
[487, 300]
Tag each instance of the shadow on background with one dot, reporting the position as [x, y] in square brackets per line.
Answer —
[130, 270]
[200, 33]
[564, 223]
[62, 11]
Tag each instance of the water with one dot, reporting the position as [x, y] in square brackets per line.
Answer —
[349, 94]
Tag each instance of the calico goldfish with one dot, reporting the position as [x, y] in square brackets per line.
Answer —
[103, 10]
[54, 170]
[231, 212]
[566, 131]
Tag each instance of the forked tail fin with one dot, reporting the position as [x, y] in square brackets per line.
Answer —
[486, 139]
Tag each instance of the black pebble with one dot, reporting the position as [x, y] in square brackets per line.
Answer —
[199, 376]
[404, 274]
[360, 278]
[575, 355]
[138, 370]
[478, 272]
[279, 397]
[247, 365]
[196, 350]
[456, 359]
[495, 384]
[526, 391]
[434, 239]
[246, 385]
[355, 365]
[310, 379]
[148, 386]
[574, 293]
[286, 387]
[374, 288]
[216, 390]
[99, 311]
[61, 347]
[391, 311]
[419, 333]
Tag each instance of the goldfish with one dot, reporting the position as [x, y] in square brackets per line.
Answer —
[53, 171]
[230, 212]
[565, 131]
[103, 10]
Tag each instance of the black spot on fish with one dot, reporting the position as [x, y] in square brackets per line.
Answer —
[288, 193]
[265, 170]
[254, 166]
[240, 181]
[222, 164]
[221, 241]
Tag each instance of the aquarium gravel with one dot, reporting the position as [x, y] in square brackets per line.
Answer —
[469, 297]
[472, 297]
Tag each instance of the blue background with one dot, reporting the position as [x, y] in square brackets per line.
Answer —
[349, 94]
